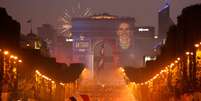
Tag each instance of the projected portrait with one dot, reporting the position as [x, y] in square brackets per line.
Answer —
[125, 43]
[124, 34]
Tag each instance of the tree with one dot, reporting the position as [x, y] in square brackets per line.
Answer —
[9, 38]
[189, 26]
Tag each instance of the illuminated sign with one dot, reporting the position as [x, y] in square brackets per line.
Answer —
[149, 58]
[69, 40]
[143, 29]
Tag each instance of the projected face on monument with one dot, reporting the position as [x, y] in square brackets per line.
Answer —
[124, 33]
[125, 42]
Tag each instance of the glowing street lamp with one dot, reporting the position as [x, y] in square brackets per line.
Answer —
[6, 52]
[172, 64]
[61, 83]
[187, 53]
[15, 57]
[196, 45]
[11, 56]
[178, 59]
[121, 69]
[20, 61]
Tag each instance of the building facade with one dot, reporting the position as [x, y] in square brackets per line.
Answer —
[145, 40]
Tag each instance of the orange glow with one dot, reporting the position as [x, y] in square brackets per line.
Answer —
[6, 52]
[37, 72]
[11, 56]
[61, 83]
[121, 69]
[196, 45]
[15, 57]
[178, 59]
[43, 76]
[27, 45]
[20, 61]
[172, 64]
[86, 74]
[187, 53]
[166, 68]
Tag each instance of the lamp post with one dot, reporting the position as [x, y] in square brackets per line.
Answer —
[195, 61]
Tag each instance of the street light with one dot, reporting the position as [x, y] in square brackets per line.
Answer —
[15, 57]
[121, 69]
[187, 53]
[6, 52]
[61, 83]
[20, 61]
[11, 56]
[178, 59]
[196, 45]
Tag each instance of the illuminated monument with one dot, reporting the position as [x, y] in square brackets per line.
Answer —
[103, 41]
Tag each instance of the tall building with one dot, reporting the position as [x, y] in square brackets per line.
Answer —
[164, 21]
[145, 41]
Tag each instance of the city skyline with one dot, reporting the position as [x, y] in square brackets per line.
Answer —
[42, 12]
[109, 56]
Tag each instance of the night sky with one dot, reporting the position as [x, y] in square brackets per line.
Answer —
[49, 11]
